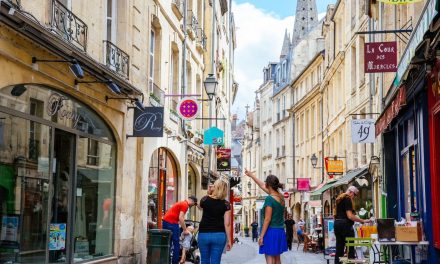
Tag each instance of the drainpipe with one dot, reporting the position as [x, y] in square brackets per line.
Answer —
[184, 48]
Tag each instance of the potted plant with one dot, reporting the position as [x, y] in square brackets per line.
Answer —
[246, 231]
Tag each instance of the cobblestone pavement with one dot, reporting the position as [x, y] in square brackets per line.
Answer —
[247, 253]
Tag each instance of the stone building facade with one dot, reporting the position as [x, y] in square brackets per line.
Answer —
[73, 76]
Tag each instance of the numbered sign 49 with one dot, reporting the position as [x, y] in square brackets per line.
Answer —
[363, 130]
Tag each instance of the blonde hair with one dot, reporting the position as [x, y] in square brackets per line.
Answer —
[220, 190]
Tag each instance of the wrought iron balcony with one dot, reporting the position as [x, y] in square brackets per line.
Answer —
[15, 3]
[157, 95]
[70, 27]
[193, 23]
[116, 59]
[201, 39]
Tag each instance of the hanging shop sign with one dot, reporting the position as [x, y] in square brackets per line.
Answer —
[223, 159]
[303, 184]
[380, 57]
[213, 136]
[392, 111]
[188, 108]
[363, 130]
[334, 167]
[148, 123]
[400, 2]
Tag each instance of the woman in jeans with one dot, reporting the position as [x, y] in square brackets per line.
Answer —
[215, 226]
[344, 220]
[272, 239]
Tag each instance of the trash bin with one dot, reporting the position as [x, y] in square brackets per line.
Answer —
[158, 246]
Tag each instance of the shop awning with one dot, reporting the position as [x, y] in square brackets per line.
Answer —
[347, 178]
[316, 194]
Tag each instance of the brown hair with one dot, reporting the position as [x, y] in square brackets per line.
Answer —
[341, 197]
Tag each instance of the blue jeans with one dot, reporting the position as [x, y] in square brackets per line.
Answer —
[175, 246]
[211, 247]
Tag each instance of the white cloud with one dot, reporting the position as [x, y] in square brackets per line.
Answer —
[259, 40]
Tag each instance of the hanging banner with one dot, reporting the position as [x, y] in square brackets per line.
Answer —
[223, 159]
[399, 2]
[148, 123]
[380, 57]
[363, 130]
[188, 108]
[335, 167]
[213, 136]
[303, 184]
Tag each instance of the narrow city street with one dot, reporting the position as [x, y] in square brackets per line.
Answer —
[247, 253]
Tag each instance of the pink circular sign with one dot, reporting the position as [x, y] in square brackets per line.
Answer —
[188, 108]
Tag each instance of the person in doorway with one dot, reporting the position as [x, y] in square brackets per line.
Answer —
[171, 220]
[272, 239]
[215, 226]
[344, 220]
[290, 227]
[254, 226]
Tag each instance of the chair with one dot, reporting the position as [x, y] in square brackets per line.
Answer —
[309, 244]
[353, 242]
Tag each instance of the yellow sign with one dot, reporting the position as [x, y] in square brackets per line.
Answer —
[399, 2]
[335, 167]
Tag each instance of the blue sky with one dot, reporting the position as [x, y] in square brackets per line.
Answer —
[284, 8]
[260, 27]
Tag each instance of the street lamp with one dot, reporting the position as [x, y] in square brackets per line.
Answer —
[210, 86]
[314, 160]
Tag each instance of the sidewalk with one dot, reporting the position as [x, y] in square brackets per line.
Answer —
[247, 253]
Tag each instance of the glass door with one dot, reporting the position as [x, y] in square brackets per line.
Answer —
[63, 174]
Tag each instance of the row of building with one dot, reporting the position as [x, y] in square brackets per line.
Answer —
[302, 125]
[79, 80]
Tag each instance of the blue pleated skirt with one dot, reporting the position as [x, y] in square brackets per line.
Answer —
[274, 242]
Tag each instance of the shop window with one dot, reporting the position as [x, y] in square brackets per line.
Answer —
[24, 190]
[95, 188]
[409, 180]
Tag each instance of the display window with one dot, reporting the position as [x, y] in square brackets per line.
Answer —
[57, 178]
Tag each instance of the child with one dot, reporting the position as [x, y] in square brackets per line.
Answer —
[185, 242]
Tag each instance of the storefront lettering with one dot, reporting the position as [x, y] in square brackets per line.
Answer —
[146, 120]
[392, 111]
[55, 106]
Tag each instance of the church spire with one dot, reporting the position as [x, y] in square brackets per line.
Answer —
[306, 18]
[286, 46]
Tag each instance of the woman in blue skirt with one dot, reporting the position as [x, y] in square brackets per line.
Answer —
[272, 239]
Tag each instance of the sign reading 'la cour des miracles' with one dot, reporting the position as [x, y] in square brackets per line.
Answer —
[380, 57]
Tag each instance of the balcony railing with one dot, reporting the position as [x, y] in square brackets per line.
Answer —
[15, 3]
[70, 27]
[201, 38]
[157, 95]
[116, 59]
[193, 22]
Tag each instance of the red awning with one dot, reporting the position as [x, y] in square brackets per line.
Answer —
[391, 111]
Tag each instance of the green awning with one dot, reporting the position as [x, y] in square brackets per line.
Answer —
[316, 194]
[351, 175]
[346, 179]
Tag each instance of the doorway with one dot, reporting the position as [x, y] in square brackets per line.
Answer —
[63, 174]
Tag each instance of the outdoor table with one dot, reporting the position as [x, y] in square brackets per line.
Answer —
[388, 244]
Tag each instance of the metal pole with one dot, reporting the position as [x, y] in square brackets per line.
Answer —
[213, 72]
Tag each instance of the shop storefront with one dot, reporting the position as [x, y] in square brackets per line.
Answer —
[57, 184]
[163, 185]
[434, 131]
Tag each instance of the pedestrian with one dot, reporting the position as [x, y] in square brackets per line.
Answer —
[272, 239]
[344, 219]
[215, 226]
[290, 227]
[254, 226]
[185, 242]
[173, 217]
